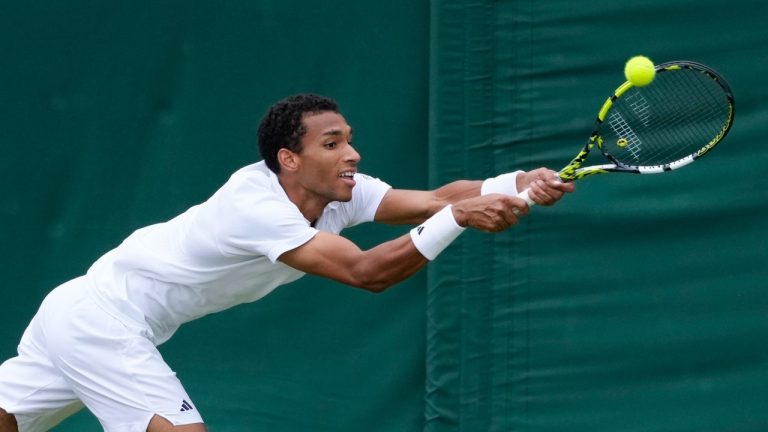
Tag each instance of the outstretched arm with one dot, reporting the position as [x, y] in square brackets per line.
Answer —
[489, 205]
[401, 206]
[332, 256]
[335, 257]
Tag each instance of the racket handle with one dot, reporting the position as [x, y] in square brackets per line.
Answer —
[524, 195]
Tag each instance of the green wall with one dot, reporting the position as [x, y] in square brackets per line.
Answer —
[636, 304]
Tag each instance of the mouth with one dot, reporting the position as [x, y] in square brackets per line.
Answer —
[348, 177]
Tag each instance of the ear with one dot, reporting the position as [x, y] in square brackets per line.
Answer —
[288, 160]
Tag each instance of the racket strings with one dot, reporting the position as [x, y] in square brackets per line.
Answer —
[680, 112]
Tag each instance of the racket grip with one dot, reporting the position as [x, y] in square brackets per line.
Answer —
[524, 195]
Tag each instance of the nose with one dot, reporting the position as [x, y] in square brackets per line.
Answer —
[352, 155]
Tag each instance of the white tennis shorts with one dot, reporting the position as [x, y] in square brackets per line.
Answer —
[73, 354]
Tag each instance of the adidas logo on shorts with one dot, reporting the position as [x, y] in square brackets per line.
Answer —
[186, 406]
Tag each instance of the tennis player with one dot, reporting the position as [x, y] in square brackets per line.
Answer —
[93, 341]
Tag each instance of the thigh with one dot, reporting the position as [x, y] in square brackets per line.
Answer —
[159, 424]
[8, 422]
[32, 388]
[35, 393]
[115, 369]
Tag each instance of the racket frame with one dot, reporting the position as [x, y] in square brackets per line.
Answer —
[574, 170]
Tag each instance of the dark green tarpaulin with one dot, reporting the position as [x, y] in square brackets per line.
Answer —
[638, 303]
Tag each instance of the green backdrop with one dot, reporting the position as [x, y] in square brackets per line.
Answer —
[634, 305]
[637, 304]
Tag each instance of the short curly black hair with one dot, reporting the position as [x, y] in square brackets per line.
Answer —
[282, 126]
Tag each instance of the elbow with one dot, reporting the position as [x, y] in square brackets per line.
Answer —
[377, 275]
[374, 281]
[377, 288]
[374, 285]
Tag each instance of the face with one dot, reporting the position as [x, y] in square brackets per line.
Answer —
[327, 159]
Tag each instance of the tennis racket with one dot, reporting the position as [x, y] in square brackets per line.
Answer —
[676, 119]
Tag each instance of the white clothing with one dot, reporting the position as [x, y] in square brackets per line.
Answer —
[74, 353]
[93, 340]
[218, 254]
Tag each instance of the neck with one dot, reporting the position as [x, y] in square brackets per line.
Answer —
[310, 205]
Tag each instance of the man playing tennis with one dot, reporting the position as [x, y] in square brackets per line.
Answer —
[93, 341]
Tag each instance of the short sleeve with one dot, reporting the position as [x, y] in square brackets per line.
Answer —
[254, 220]
[366, 197]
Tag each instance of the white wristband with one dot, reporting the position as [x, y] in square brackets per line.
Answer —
[503, 184]
[436, 233]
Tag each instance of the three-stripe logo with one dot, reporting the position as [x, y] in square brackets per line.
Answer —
[186, 406]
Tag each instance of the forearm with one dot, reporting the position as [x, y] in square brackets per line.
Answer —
[393, 261]
[454, 192]
[400, 258]
[335, 257]
[376, 269]
[401, 206]
[386, 264]
[509, 184]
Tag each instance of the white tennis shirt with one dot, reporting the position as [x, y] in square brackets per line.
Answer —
[217, 254]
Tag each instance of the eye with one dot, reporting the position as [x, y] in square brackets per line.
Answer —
[330, 145]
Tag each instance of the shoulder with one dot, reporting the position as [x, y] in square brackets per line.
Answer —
[367, 186]
[255, 174]
[253, 192]
[253, 215]
[252, 182]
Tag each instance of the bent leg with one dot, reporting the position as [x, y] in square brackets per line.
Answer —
[159, 424]
[31, 387]
[7, 422]
[114, 368]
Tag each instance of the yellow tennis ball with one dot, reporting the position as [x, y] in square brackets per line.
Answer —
[640, 71]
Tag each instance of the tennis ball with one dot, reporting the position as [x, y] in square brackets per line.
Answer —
[640, 71]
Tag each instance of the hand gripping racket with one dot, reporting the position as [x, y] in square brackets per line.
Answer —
[676, 119]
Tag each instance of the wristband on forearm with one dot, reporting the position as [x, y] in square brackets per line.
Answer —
[503, 184]
[436, 233]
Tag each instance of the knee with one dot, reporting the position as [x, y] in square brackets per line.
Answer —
[159, 424]
[8, 422]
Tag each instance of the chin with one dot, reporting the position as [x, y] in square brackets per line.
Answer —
[344, 197]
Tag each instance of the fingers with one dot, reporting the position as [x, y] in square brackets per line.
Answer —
[511, 212]
[544, 194]
[491, 213]
[504, 215]
[548, 189]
